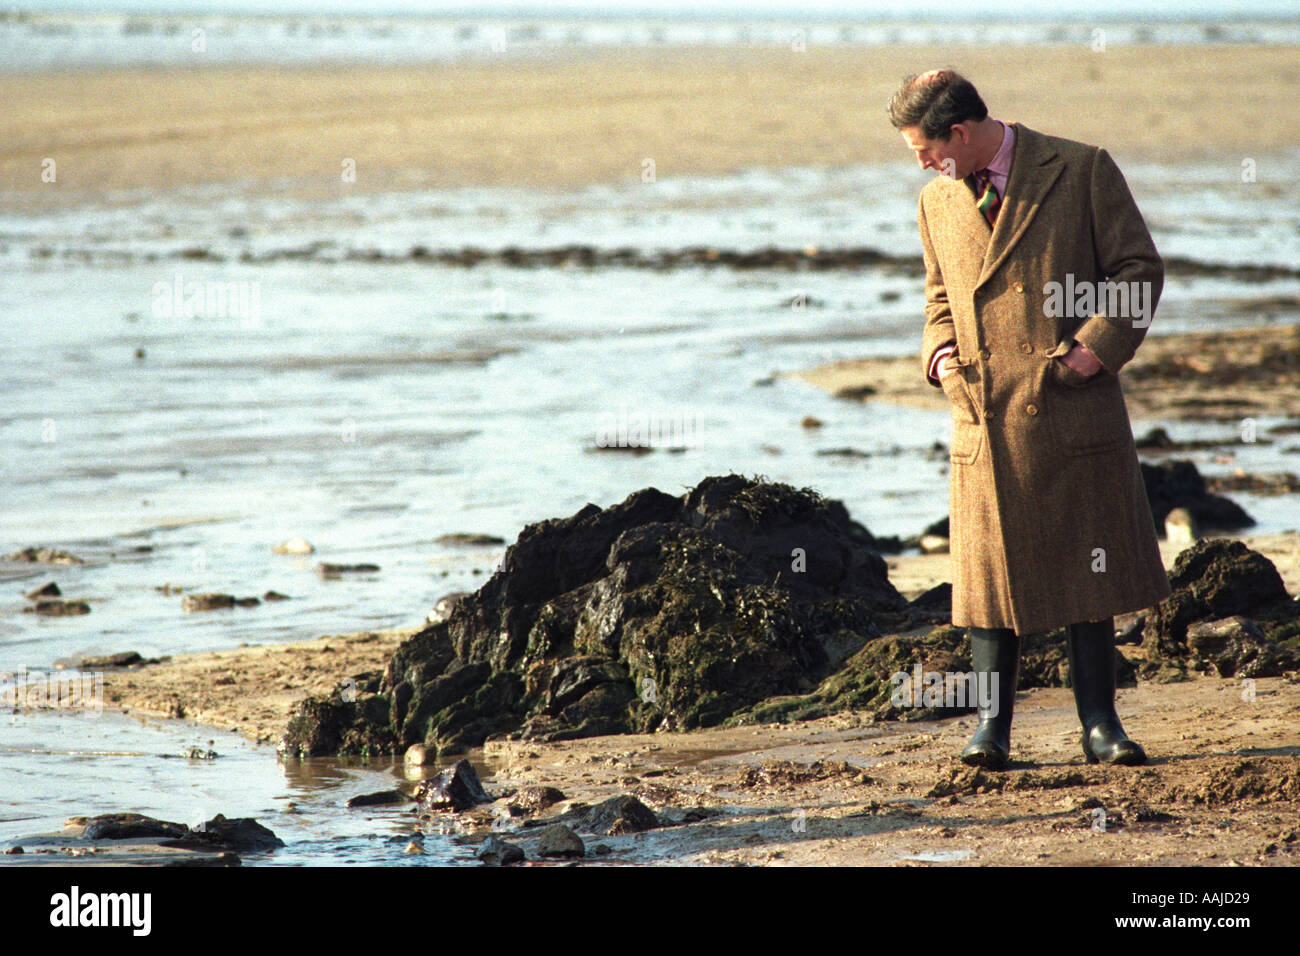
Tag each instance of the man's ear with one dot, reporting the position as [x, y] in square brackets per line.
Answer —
[961, 131]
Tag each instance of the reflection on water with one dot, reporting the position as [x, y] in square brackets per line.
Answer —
[58, 766]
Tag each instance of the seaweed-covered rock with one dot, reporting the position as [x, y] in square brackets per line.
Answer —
[1219, 578]
[1234, 647]
[351, 720]
[890, 678]
[658, 612]
[1178, 484]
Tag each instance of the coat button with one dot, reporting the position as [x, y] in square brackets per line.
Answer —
[988, 415]
[1031, 409]
[1019, 287]
[984, 353]
[1026, 347]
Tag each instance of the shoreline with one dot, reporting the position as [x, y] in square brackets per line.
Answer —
[844, 790]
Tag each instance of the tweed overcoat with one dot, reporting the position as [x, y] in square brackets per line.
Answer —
[1049, 521]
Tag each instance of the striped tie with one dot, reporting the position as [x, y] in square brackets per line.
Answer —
[989, 201]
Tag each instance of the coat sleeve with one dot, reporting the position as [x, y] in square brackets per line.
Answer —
[1125, 255]
[939, 329]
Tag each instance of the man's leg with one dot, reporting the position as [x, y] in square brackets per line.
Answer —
[993, 650]
[1092, 674]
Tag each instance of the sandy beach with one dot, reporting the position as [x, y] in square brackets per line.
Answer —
[1219, 788]
[1221, 785]
[596, 116]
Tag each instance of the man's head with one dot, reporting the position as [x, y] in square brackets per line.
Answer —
[945, 123]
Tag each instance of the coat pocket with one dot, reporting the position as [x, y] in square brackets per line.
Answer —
[1069, 377]
[966, 432]
[954, 386]
[1087, 411]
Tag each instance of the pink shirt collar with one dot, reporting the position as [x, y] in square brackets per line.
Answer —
[1000, 166]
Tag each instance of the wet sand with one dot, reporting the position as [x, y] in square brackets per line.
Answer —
[598, 115]
[1222, 784]
[1202, 376]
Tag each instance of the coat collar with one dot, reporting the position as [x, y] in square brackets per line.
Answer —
[1035, 167]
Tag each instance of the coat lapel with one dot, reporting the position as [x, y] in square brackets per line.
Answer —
[968, 220]
[1035, 167]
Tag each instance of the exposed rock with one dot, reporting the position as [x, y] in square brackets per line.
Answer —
[529, 801]
[933, 544]
[380, 798]
[1181, 527]
[44, 591]
[327, 569]
[122, 659]
[618, 815]
[274, 596]
[125, 826]
[660, 611]
[58, 607]
[1128, 627]
[934, 539]
[43, 556]
[1272, 483]
[242, 833]
[1177, 484]
[495, 851]
[854, 393]
[326, 726]
[1158, 440]
[446, 604]
[456, 788]
[470, 540]
[1214, 579]
[418, 755]
[206, 602]
[1234, 647]
[877, 679]
[930, 607]
[559, 840]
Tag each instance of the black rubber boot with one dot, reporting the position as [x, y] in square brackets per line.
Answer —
[1092, 672]
[993, 651]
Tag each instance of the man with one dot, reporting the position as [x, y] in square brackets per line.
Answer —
[1040, 282]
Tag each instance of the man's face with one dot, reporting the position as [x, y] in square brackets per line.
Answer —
[952, 157]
